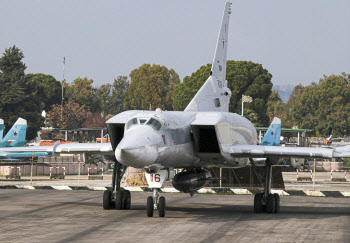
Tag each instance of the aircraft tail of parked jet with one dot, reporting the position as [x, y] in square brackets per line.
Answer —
[273, 134]
[16, 136]
[214, 94]
[1, 129]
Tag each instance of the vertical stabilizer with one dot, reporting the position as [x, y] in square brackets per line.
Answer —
[16, 136]
[273, 134]
[214, 94]
[1, 129]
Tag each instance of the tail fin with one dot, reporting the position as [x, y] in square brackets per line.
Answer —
[273, 134]
[214, 94]
[1, 129]
[16, 136]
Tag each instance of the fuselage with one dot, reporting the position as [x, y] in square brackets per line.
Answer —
[180, 139]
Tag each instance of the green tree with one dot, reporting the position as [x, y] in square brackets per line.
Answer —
[243, 77]
[287, 120]
[324, 107]
[82, 92]
[151, 85]
[47, 87]
[18, 98]
[275, 106]
[73, 115]
[103, 94]
[116, 99]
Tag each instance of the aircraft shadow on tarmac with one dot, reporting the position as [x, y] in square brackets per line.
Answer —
[223, 213]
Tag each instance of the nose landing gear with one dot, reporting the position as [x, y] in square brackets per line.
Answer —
[153, 204]
[155, 181]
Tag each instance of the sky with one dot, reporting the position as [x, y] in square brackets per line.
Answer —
[296, 41]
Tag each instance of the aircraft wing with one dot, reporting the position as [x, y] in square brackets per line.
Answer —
[71, 148]
[259, 151]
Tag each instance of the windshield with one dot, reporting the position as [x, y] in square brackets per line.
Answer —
[131, 123]
[143, 120]
[154, 123]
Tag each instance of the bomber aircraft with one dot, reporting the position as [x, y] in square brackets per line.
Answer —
[202, 136]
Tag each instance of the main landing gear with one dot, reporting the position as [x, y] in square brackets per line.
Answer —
[154, 203]
[267, 202]
[117, 198]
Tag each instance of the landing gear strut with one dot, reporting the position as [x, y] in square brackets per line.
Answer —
[154, 203]
[118, 197]
[267, 202]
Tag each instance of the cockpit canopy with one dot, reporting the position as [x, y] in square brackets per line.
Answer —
[148, 121]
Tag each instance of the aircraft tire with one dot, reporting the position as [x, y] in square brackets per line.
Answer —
[277, 202]
[107, 200]
[271, 204]
[258, 206]
[119, 200]
[150, 206]
[127, 199]
[161, 208]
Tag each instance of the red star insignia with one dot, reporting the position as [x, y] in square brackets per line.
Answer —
[15, 134]
[271, 133]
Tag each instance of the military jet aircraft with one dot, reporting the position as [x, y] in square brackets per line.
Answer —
[202, 136]
[16, 138]
[16, 135]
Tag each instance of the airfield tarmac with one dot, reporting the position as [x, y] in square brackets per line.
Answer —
[77, 216]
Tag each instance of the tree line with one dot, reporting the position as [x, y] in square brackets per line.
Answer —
[324, 106]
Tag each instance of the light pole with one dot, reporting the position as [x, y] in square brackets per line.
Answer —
[64, 64]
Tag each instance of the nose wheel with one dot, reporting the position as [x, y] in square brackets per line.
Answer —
[153, 204]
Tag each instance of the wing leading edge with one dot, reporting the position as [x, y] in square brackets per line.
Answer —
[72, 148]
[259, 151]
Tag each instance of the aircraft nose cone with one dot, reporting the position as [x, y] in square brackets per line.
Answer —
[138, 148]
[136, 157]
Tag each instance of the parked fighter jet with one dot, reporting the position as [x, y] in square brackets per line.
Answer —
[16, 138]
[204, 135]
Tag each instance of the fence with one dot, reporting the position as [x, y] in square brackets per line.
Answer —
[304, 178]
[337, 178]
[57, 176]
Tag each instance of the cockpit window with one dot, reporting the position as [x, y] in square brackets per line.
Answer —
[143, 120]
[131, 123]
[154, 123]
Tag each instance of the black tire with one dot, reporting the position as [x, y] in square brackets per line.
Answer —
[107, 200]
[150, 206]
[277, 202]
[119, 199]
[161, 207]
[258, 206]
[127, 199]
[271, 204]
